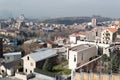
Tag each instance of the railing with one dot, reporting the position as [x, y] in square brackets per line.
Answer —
[89, 62]
[78, 64]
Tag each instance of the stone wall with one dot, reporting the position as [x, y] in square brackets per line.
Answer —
[95, 76]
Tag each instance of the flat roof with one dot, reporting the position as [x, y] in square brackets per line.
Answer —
[81, 47]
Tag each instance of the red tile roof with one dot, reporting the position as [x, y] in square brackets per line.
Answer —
[113, 30]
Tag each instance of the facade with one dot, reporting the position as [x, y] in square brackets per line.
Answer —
[94, 22]
[108, 35]
[111, 49]
[9, 33]
[50, 44]
[9, 57]
[9, 63]
[9, 69]
[90, 35]
[106, 51]
[81, 54]
[74, 37]
[94, 34]
[116, 24]
[6, 71]
[60, 40]
[30, 61]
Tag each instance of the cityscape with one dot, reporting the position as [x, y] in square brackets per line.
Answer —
[59, 46]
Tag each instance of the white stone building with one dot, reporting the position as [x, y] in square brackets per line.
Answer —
[81, 54]
[30, 61]
[74, 37]
[77, 36]
[9, 64]
[13, 56]
[9, 69]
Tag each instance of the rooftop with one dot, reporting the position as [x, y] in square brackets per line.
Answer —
[44, 53]
[12, 54]
[113, 30]
[74, 35]
[81, 47]
[12, 64]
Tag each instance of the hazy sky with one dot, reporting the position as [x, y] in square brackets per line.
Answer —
[59, 8]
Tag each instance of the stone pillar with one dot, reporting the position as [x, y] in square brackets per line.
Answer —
[81, 74]
[110, 76]
[73, 75]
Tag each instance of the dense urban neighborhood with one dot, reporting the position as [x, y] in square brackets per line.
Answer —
[79, 48]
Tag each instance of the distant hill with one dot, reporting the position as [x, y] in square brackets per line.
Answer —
[72, 20]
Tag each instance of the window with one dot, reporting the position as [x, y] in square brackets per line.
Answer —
[25, 70]
[31, 64]
[28, 58]
[2, 71]
[30, 71]
[74, 58]
[107, 31]
[96, 33]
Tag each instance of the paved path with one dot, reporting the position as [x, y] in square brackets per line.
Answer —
[42, 77]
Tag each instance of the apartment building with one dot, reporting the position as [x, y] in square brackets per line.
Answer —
[108, 35]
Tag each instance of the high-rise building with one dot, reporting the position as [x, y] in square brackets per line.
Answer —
[94, 22]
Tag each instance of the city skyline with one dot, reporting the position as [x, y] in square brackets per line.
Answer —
[61, 8]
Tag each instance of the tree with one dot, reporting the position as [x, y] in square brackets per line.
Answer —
[118, 31]
[30, 47]
[114, 63]
[104, 58]
[47, 65]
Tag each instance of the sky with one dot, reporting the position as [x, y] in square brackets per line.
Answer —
[59, 8]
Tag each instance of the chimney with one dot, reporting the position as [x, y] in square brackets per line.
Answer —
[1, 48]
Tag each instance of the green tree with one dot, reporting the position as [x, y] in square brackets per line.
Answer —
[104, 58]
[115, 60]
[47, 65]
[118, 31]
